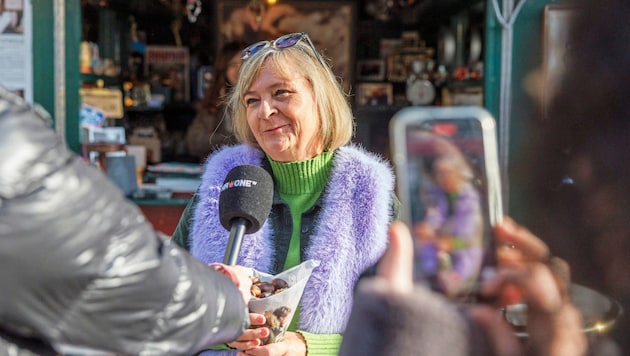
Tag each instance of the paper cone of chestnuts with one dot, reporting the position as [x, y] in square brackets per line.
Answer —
[277, 297]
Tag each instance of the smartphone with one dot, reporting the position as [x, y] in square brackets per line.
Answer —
[448, 183]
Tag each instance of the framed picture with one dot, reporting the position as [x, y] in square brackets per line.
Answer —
[556, 49]
[399, 65]
[371, 70]
[13, 5]
[389, 46]
[203, 81]
[375, 94]
[170, 64]
[329, 24]
[410, 39]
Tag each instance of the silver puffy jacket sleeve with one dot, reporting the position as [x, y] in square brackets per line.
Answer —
[80, 265]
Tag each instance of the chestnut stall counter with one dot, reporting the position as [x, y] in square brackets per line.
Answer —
[164, 214]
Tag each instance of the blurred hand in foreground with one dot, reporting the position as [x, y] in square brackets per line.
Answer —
[528, 274]
[428, 323]
[241, 276]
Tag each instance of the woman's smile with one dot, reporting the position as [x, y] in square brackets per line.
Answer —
[275, 129]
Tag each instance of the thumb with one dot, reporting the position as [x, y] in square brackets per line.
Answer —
[396, 266]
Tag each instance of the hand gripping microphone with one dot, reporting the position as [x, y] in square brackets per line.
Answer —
[244, 204]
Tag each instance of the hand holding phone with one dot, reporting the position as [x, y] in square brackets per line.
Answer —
[448, 183]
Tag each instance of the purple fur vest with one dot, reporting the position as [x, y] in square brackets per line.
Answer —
[350, 233]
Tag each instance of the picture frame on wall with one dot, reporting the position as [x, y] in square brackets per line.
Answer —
[371, 70]
[410, 40]
[330, 25]
[399, 65]
[388, 46]
[170, 64]
[556, 49]
[375, 94]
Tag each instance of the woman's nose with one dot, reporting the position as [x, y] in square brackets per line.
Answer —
[266, 109]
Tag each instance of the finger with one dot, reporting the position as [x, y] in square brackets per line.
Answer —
[245, 345]
[532, 248]
[543, 292]
[227, 271]
[396, 266]
[559, 334]
[250, 338]
[266, 350]
[536, 283]
[256, 319]
[562, 272]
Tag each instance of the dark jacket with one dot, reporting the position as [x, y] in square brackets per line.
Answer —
[82, 266]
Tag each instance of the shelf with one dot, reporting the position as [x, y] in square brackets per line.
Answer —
[467, 83]
[93, 78]
[144, 108]
[380, 108]
[371, 114]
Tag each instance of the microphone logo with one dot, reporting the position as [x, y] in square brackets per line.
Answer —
[247, 183]
[244, 205]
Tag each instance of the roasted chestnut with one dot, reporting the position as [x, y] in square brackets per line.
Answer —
[262, 289]
[279, 283]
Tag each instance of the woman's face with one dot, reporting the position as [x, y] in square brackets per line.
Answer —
[231, 73]
[282, 115]
[447, 176]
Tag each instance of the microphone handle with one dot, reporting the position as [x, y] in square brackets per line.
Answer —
[237, 230]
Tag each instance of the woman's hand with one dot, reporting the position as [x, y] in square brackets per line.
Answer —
[252, 337]
[293, 344]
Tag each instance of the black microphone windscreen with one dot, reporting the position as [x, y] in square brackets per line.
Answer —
[247, 193]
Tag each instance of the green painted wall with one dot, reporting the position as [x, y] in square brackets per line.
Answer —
[43, 63]
[525, 112]
[43, 49]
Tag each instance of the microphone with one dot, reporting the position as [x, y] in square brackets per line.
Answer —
[244, 204]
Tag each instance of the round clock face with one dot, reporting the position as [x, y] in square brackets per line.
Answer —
[420, 92]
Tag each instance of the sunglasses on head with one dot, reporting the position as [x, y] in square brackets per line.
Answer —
[282, 42]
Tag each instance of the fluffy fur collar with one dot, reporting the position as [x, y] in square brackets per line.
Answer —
[350, 234]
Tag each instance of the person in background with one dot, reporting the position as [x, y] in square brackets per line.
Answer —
[82, 267]
[392, 316]
[211, 128]
[578, 172]
[333, 201]
[576, 175]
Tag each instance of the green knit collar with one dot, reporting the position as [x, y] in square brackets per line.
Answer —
[302, 177]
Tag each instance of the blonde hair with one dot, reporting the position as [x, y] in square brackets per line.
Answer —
[337, 122]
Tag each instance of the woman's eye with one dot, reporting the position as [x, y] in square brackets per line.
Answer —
[281, 92]
[250, 101]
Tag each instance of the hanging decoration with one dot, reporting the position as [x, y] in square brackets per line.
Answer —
[258, 9]
[506, 16]
[386, 10]
[193, 9]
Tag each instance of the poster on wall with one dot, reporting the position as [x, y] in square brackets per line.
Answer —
[329, 24]
[16, 71]
[169, 66]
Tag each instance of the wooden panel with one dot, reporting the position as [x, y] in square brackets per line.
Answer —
[163, 217]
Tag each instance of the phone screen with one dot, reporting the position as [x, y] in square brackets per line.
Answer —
[447, 181]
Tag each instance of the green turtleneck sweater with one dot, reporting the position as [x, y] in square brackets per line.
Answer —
[300, 184]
